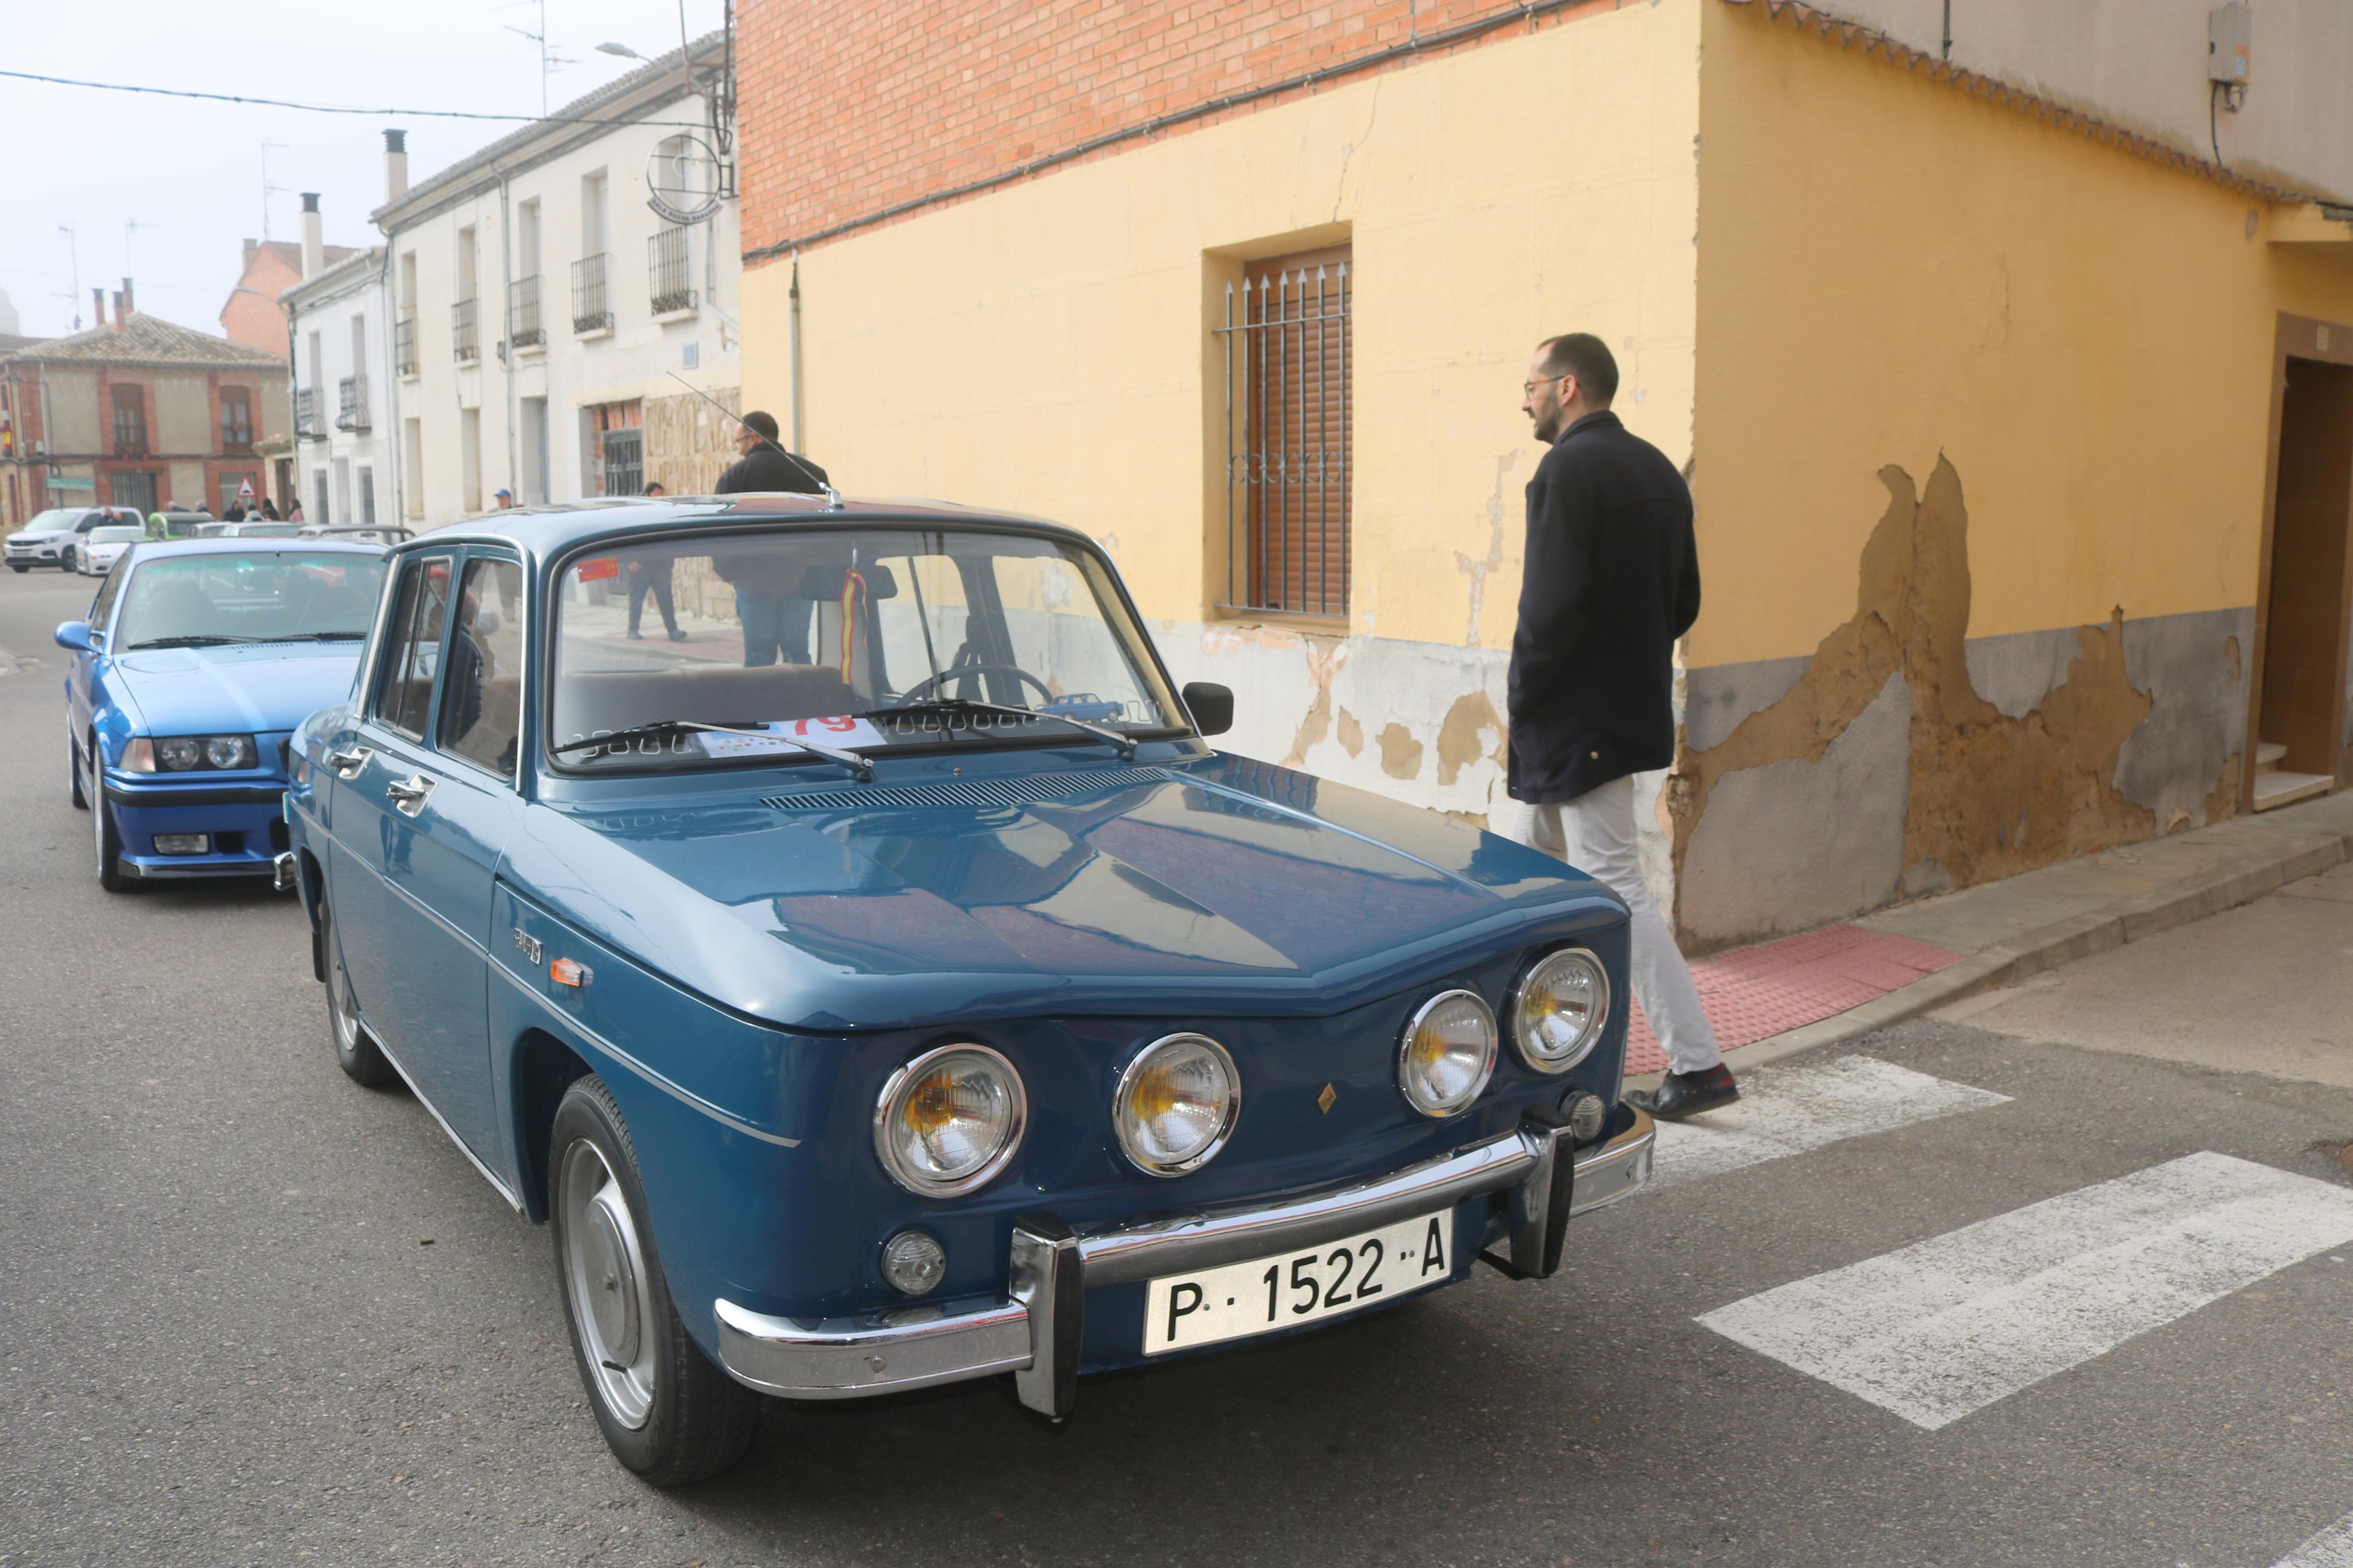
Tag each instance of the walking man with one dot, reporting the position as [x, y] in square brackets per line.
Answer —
[1612, 580]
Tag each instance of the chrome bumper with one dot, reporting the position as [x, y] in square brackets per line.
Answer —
[1036, 1332]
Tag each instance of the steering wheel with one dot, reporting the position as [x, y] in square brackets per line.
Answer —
[915, 692]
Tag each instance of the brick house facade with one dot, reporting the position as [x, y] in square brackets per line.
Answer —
[252, 315]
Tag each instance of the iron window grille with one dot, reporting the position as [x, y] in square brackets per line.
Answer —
[136, 489]
[351, 404]
[523, 313]
[1289, 338]
[668, 266]
[591, 312]
[625, 462]
[403, 346]
[236, 423]
[130, 423]
[464, 346]
[306, 415]
[367, 495]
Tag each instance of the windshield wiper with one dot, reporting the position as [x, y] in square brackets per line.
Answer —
[196, 639]
[969, 705]
[322, 636]
[856, 764]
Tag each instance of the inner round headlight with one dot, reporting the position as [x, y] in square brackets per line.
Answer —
[1557, 1015]
[950, 1120]
[1449, 1053]
[229, 751]
[176, 755]
[1175, 1104]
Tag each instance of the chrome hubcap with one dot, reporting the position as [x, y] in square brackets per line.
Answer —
[605, 1275]
[339, 998]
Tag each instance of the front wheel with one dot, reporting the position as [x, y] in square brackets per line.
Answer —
[107, 838]
[667, 1413]
[73, 769]
[66, 560]
[18, 567]
[356, 1052]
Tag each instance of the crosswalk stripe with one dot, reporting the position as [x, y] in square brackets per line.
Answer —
[2332, 1548]
[1785, 1111]
[1949, 1325]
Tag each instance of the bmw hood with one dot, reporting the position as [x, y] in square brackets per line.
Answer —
[245, 689]
[1132, 891]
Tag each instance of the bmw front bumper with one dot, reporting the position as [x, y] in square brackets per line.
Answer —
[245, 822]
[1035, 1330]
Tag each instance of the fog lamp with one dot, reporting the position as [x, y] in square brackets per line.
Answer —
[184, 843]
[1175, 1104]
[913, 1264]
[1586, 1113]
[1558, 1009]
[1449, 1053]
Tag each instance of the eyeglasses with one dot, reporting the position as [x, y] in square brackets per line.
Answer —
[1528, 388]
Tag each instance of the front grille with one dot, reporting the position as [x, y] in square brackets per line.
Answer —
[1021, 791]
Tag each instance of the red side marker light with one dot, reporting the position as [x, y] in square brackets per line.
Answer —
[569, 972]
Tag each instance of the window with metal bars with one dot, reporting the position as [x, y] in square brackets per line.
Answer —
[130, 423]
[1288, 342]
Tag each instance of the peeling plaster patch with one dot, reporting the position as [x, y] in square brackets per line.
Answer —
[2197, 684]
[1352, 734]
[1987, 794]
[1718, 696]
[2016, 671]
[1400, 753]
[1472, 729]
[1479, 571]
[1325, 658]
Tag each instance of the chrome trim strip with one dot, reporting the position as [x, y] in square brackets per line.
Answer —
[879, 1352]
[488, 1175]
[1617, 1170]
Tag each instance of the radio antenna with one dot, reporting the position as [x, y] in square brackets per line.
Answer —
[832, 496]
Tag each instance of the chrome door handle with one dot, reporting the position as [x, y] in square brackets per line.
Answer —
[408, 794]
[347, 764]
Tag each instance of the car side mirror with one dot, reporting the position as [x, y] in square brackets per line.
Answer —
[1211, 705]
[77, 636]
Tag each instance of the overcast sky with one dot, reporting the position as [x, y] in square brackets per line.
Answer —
[190, 171]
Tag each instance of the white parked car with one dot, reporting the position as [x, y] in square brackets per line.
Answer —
[102, 547]
[53, 536]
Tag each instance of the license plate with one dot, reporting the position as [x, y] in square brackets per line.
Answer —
[1270, 1293]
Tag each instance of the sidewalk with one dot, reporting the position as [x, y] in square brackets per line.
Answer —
[1844, 981]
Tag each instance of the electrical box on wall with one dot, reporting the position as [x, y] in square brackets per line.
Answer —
[2230, 43]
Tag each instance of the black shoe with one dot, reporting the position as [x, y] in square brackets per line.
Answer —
[1685, 1092]
[677, 636]
[636, 636]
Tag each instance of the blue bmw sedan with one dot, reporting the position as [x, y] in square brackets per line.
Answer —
[198, 660]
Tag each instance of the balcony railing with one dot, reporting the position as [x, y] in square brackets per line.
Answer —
[403, 346]
[306, 415]
[668, 268]
[591, 309]
[351, 404]
[464, 346]
[522, 314]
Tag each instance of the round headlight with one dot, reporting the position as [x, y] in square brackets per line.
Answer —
[1557, 1013]
[229, 751]
[1449, 1053]
[950, 1120]
[176, 755]
[1175, 1104]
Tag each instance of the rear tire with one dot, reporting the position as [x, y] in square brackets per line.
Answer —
[667, 1413]
[107, 839]
[356, 1052]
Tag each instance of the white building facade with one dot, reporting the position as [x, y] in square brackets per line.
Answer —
[346, 469]
[548, 296]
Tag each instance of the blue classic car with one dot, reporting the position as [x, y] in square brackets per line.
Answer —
[878, 981]
[197, 661]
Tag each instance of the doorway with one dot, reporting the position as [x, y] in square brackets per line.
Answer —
[2300, 693]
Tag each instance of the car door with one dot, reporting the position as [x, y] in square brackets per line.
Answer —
[84, 670]
[413, 845]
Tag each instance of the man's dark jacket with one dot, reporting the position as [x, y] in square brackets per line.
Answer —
[1612, 580]
[769, 469]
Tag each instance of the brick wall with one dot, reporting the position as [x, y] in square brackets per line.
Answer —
[848, 108]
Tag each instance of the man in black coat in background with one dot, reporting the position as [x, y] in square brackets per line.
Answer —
[775, 623]
[1611, 580]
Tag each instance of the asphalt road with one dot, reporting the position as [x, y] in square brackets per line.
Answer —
[255, 1314]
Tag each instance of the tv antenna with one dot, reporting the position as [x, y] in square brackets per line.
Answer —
[131, 225]
[267, 190]
[73, 259]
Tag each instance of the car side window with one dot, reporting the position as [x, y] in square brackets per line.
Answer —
[481, 700]
[405, 693]
[107, 592]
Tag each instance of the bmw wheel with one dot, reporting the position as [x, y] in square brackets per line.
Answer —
[73, 770]
[667, 1413]
[356, 1052]
[107, 837]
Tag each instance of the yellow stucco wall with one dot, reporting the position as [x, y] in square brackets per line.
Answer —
[1893, 269]
[1045, 347]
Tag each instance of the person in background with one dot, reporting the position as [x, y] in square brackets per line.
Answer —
[236, 512]
[765, 465]
[654, 488]
[1611, 580]
[652, 577]
[270, 510]
[505, 499]
[294, 512]
[776, 618]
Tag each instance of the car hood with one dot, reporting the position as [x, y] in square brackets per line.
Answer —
[247, 689]
[1216, 882]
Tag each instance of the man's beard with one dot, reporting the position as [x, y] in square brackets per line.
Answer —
[1547, 425]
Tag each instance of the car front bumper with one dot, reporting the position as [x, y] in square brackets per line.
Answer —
[1035, 1330]
[45, 551]
[246, 821]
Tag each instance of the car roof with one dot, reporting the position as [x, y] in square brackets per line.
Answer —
[161, 549]
[549, 530]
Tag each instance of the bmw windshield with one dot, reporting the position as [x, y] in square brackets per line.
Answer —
[262, 596]
[864, 640]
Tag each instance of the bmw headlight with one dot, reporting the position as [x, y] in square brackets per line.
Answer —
[1175, 1104]
[178, 754]
[950, 1120]
[228, 751]
[1559, 1008]
[1449, 1053]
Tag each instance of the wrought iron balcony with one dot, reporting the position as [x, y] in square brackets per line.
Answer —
[464, 346]
[669, 268]
[351, 404]
[523, 330]
[403, 346]
[306, 415]
[591, 310]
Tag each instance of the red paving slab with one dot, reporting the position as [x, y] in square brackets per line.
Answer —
[1754, 993]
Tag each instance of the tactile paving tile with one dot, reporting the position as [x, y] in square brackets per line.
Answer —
[1754, 993]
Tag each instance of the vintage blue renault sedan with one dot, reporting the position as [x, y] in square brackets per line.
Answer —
[876, 980]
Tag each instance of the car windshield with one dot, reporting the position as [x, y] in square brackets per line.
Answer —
[117, 533]
[188, 601]
[265, 530]
[51, 520]
[859, 639]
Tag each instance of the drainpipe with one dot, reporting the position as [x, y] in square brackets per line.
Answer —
[800, 435]
[506, 331]
[388, 335]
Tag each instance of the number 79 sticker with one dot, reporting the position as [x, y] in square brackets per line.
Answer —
[1270, 1293]
[839, 731]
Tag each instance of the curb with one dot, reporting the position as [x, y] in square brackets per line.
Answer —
[2307, 853]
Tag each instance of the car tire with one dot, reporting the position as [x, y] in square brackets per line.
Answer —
[356, 1052]
[668, 1413]
[106, 837]
[73, 773]
[66, 560]
[18, 567]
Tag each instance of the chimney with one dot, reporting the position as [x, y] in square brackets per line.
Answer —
[96, 306]
[118, 311]
[314, 248]
[249, 249]
[130, 300]
[395, 165]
